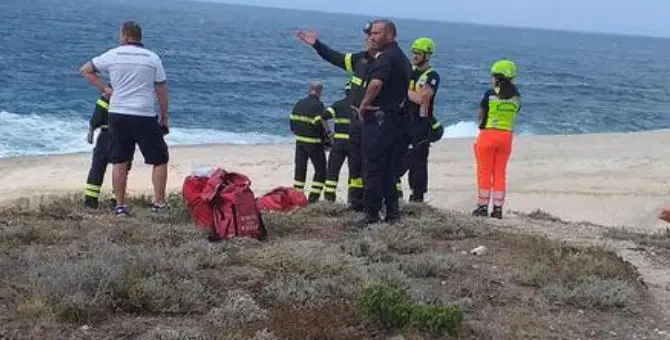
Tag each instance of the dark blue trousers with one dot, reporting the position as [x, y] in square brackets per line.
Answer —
[383, 147]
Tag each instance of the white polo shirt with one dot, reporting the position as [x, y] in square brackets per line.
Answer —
[133, 72]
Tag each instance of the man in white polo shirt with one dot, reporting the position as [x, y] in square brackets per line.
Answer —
[136, 75]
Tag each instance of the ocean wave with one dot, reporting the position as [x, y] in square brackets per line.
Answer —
[33, 134]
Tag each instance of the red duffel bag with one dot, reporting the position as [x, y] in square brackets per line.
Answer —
[282, 199]
[224, 204]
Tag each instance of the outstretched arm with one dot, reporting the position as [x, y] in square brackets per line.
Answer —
[346, 61]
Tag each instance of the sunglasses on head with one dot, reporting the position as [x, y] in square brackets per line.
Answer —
[368, 28]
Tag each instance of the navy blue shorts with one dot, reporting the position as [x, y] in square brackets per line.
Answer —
[128, 130]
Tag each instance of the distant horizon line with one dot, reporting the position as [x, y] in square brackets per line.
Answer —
[564, 30]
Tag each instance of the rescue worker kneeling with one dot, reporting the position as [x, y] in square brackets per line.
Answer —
[312, 136]
[101, 152]
[341, 112]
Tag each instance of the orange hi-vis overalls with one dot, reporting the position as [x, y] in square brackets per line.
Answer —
[493, 146]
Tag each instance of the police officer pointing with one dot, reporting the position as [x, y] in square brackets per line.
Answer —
[382, 110]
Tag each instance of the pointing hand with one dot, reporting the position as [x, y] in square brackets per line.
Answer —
[308, 37]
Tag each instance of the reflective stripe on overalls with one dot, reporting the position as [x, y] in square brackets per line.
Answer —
[308, 120]
[339, 122]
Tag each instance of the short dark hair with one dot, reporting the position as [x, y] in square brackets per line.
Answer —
[132, 30]
[315, 86]
[389, 26]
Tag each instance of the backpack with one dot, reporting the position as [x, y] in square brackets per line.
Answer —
[282, 199]
[225, 205]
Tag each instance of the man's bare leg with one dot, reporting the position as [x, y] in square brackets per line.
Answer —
[159, 179]
[119, 182]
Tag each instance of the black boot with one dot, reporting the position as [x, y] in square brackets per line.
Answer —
[313, 198]
[482, 211]
[392, 213]
[91, 202]
[355, 200]
[329, 196]
[497, 213]
[416, 197]
[368, 220]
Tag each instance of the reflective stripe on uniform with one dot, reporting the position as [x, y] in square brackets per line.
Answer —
[342, 120]
[423, 76]
[102, 104]
[308, 140]
[356, 183]
[92, 190]
[347, 63]
[317, 187]
[305, 119]
[498, 198]
[436, 125]
[484, 196]
[356, 81]
[331, 111]
[300, 186]
[341, 136]
[331, 186]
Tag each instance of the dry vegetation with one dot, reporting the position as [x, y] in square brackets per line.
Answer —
[656, 240]
[66, 272]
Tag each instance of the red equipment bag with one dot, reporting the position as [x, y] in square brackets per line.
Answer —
[282, 199]
[224, 204]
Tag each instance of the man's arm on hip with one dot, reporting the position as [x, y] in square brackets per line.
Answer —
[89, 72]
[371, 92]
[97, 64]
[380, 72]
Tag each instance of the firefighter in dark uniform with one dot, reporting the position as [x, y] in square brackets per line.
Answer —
[312, 136]
[101, 151]
[341, 112]
[355, 64]
[422, 128]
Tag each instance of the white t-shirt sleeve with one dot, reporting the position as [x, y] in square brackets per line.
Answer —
[160, 72]
[102, 62]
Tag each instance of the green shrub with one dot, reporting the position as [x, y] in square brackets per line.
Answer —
[394, 309]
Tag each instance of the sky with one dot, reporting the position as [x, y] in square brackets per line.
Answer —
[640, 17]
